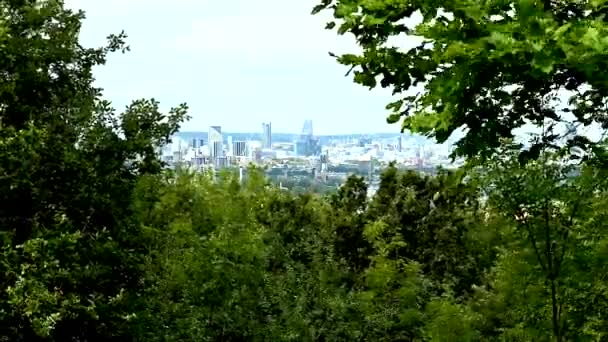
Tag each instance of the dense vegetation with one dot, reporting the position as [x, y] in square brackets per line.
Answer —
[100, 243]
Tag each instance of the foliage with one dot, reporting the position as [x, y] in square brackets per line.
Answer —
[309, 267]
[307, 184]
[99, 242]
[552, 207]
[68, 164]
[431, 219]
[426, 258]
[486, 67]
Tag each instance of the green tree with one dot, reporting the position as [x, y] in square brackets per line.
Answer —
[486, 67]
[432, 218]
[68, 165]
[205, 269]
[551, 207]
[349, 206]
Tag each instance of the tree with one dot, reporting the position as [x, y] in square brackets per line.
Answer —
[68, 166]
[206, 264]
[430, 219]
[553, 208]
[489, 69]
[349, 206]
[486, 67]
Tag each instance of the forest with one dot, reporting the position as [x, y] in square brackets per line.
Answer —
[101, 242]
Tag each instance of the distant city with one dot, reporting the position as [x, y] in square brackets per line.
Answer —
[304, 159]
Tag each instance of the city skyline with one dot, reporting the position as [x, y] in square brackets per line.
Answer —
[266, 132]
[304, 152]
[260, 134]
[294, 132]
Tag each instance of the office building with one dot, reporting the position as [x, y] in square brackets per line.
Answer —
[239, 149]
[267, 135]
[215, 139]
[216, 150]
[307, 145]
[229, 143]
[221, 162]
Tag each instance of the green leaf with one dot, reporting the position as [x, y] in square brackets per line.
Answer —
[393, 118]
[318, 8]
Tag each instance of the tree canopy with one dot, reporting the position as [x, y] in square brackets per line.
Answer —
[68, 166]
[486, 67]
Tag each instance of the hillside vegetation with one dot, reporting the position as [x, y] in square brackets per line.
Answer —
[101, 243]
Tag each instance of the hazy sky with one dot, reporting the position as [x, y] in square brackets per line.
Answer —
[237, 63]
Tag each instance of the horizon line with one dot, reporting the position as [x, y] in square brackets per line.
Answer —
[330, 134]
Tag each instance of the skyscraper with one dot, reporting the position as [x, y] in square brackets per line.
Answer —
[215, 141]
[216, 150]
[239, 148]
[229, 143]
[267, 135]
[306, 145]
[307, 128]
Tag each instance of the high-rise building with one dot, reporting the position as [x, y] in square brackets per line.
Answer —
[307, 128]
[215, 139]
[217, 149]
[221, 162]
[194, 141]
[306, 145]
[229, 143]
[267, 135]
[239, 148]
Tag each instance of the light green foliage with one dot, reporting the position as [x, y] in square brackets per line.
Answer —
[30, 294]
[246, 261]
[272, 265]
[553, 209]
[489, 66]
[449, 322]
[392, 300]
[206, 276]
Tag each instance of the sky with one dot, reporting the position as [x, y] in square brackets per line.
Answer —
[236, 63]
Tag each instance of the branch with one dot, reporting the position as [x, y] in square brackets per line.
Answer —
[349, 71]
[548, 241]
[565, 235]
[533, 239]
